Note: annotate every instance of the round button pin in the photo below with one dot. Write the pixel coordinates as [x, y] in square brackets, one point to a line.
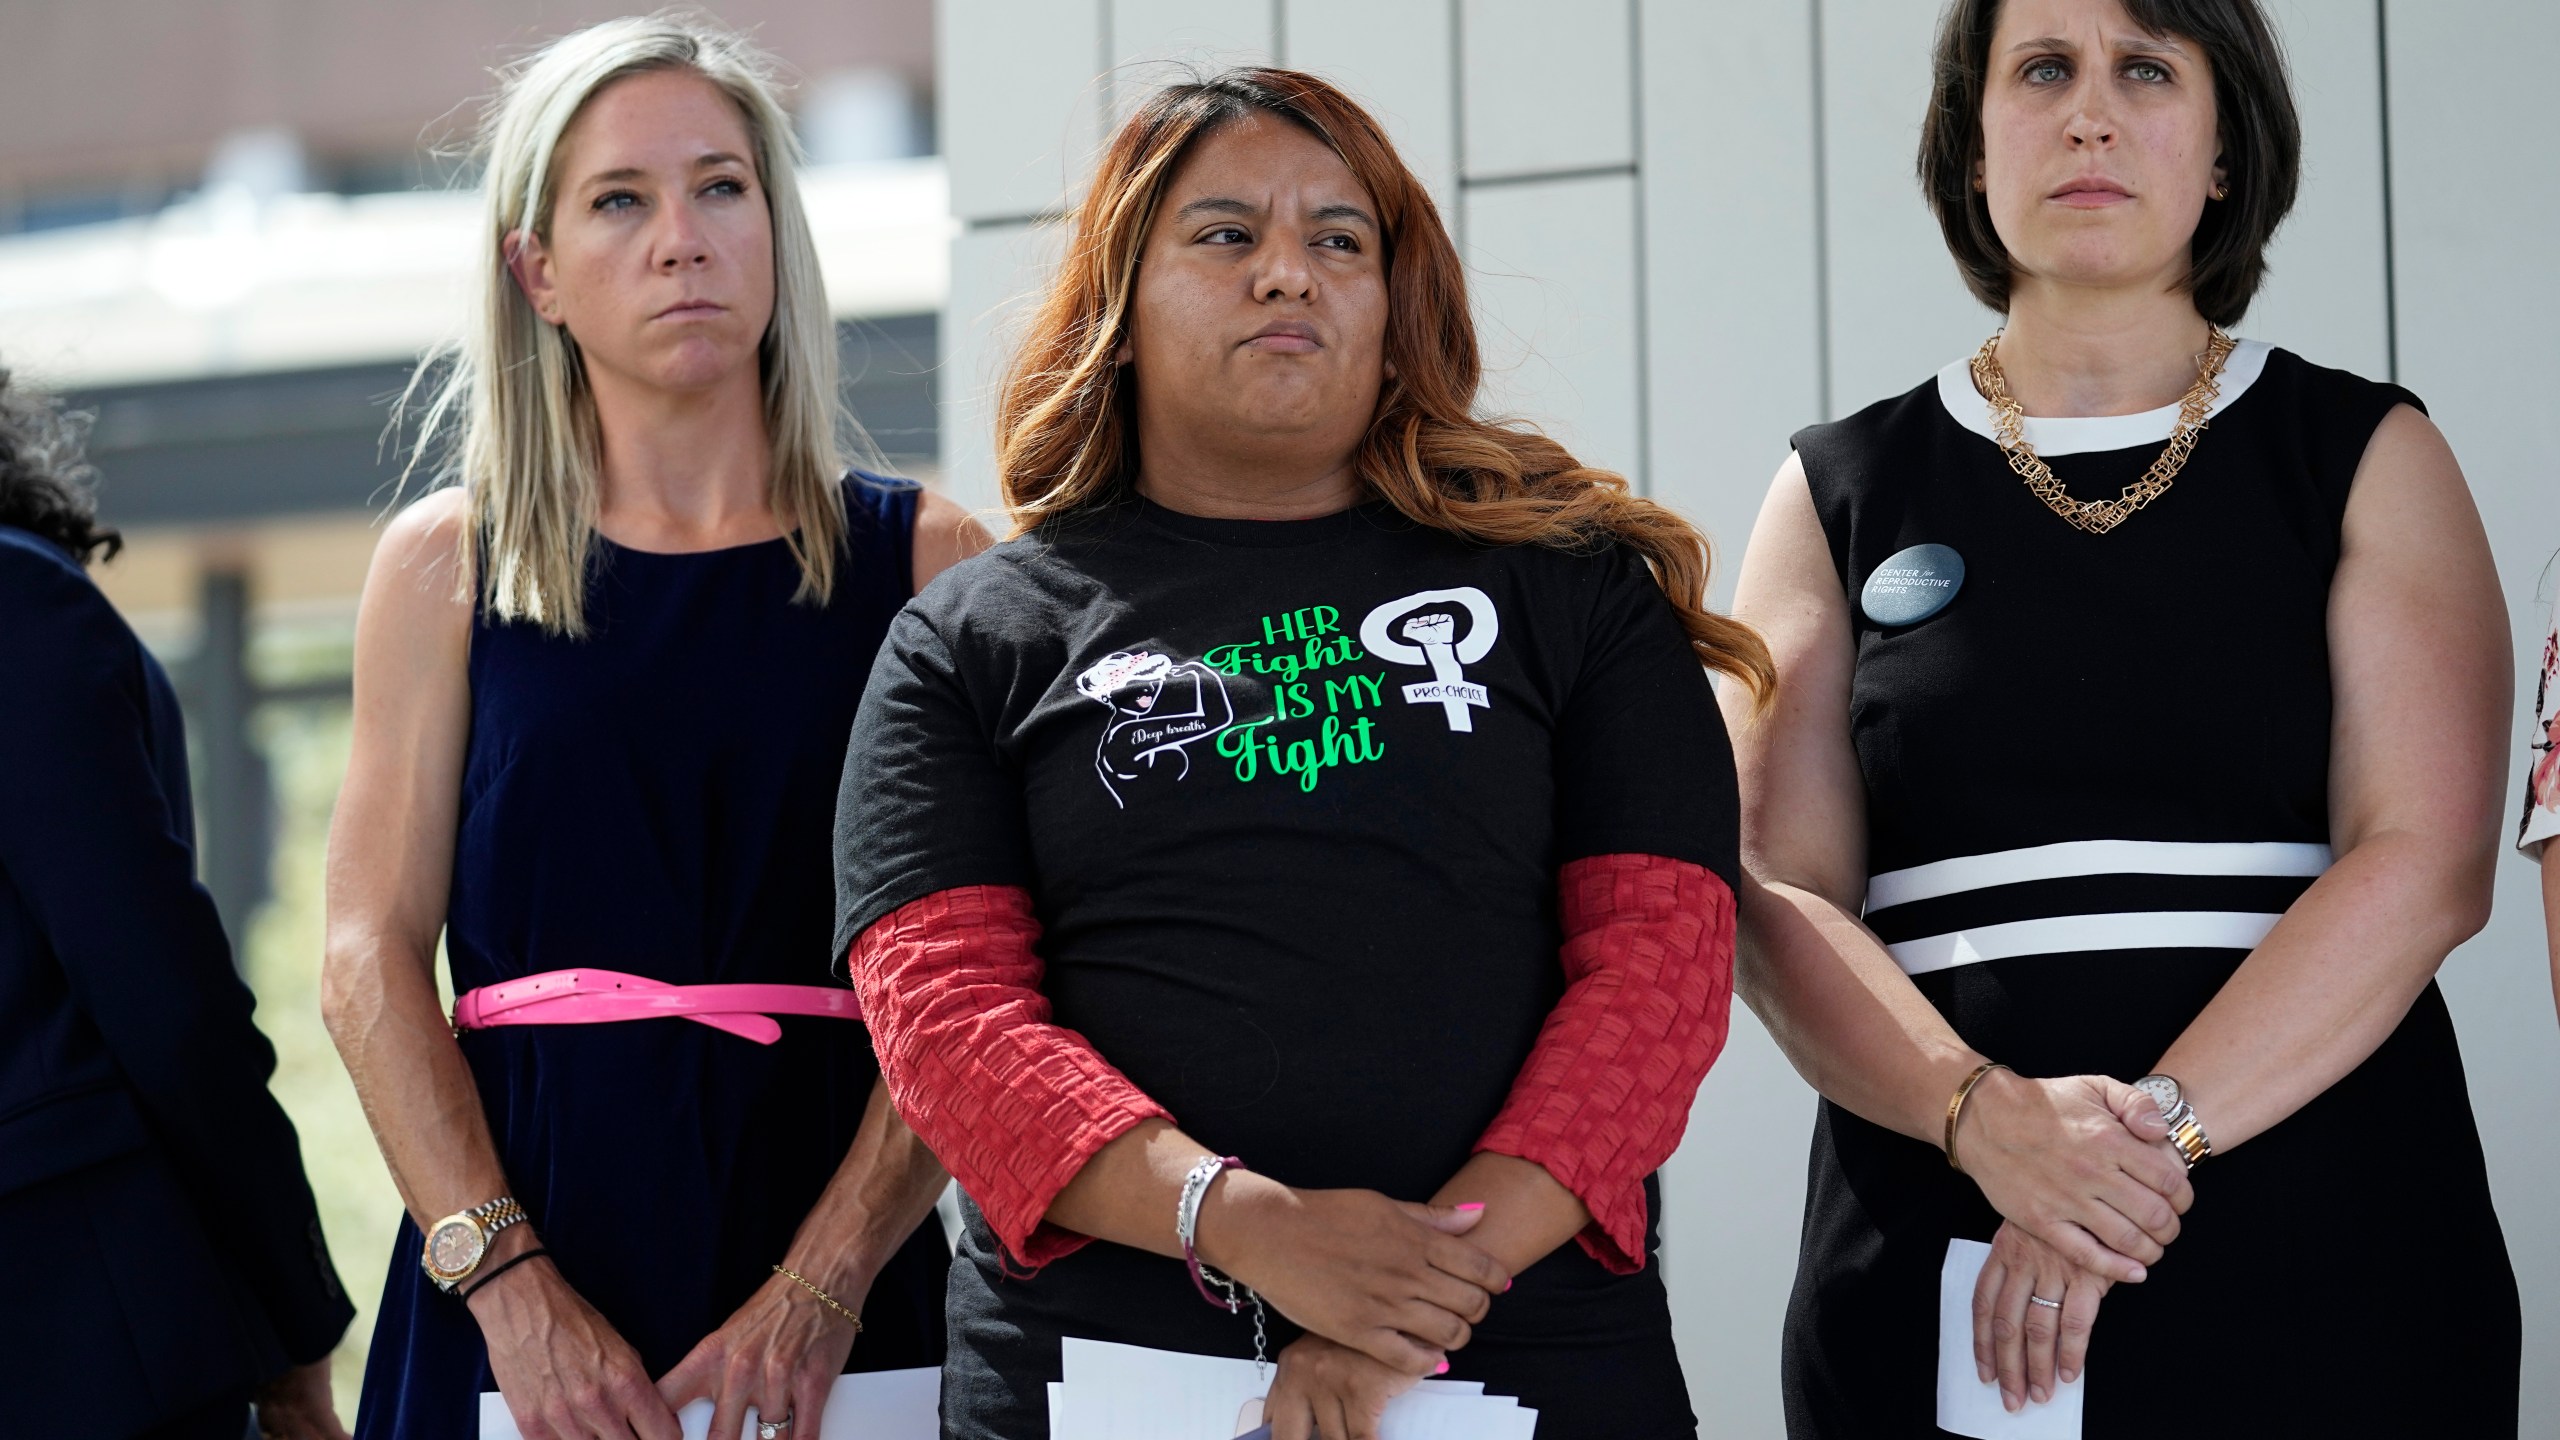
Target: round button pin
[1913, 585]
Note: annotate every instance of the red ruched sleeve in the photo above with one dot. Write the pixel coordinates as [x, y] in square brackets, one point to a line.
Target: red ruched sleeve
[1648, 963]
[1012, 1104]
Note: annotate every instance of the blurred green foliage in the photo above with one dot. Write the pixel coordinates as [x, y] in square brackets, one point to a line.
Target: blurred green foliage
[306, 748]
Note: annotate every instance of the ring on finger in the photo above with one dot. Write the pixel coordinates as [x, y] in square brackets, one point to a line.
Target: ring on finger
[2040, 1300]
[772, 1429]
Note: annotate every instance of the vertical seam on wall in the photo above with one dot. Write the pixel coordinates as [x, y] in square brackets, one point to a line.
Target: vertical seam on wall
[1458, 123]
[1104, 68]
[1641, 277]
[2390, 208]
[1821, 217]
[1280, 33]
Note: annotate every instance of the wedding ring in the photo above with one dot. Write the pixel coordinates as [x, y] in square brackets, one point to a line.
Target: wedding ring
[2048, 1304]
[771, 1429]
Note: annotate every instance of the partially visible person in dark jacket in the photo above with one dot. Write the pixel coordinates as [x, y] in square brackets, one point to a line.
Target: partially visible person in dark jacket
[165, 1269]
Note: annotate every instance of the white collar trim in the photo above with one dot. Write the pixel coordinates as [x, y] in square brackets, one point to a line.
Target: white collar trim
[2078, 435]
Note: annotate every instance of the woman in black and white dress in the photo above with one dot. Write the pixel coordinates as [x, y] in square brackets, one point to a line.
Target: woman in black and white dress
[2179, 756]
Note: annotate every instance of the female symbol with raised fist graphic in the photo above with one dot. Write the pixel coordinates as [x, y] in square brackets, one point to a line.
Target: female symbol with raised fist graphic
[1436, 644]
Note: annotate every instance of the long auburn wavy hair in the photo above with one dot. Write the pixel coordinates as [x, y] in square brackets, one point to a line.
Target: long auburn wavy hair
[1066, 428]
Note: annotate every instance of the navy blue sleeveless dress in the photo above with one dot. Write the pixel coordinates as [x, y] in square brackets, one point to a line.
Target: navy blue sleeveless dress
[659, 798]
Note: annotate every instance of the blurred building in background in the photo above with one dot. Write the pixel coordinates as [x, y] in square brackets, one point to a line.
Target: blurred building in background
[230, 230]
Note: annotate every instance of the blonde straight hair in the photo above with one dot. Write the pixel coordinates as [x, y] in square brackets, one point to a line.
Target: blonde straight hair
[512, 415]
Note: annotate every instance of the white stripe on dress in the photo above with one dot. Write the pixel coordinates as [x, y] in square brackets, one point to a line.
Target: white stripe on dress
[2093, 857]
[2063, 934]
[2081, 434]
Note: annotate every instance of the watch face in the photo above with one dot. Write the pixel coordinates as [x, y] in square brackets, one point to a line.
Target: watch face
[2162, 1090]
[455, 1247]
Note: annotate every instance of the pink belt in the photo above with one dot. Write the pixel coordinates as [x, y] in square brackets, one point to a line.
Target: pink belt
[598, 997]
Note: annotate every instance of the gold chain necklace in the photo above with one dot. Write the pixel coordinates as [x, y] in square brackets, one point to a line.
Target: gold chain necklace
[2008, 425]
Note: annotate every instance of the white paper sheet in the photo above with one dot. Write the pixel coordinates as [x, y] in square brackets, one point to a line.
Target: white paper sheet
[1967, 1406]
[877, 1405]
[1127, 1392]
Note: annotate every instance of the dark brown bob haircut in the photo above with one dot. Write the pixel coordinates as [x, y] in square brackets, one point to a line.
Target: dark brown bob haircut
[2261, 146]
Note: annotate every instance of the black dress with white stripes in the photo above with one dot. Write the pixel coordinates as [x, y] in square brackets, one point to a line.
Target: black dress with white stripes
[2094, 780]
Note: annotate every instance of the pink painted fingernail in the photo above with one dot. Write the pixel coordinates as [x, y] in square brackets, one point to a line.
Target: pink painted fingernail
[1472, 1205]
[1441, 1369]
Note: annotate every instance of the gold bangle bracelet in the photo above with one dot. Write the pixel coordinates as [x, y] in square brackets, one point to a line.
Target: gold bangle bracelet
[803, 1281]
[1955, 1107]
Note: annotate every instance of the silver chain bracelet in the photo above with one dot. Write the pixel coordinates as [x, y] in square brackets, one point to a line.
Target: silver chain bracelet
[1186, 1228]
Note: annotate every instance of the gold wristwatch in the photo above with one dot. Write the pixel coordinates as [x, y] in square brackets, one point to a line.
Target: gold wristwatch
[2185, 1130]
[458, 1243]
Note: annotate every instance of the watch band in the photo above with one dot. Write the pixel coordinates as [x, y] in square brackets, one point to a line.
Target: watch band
[496, 1215]
[2187, 1133]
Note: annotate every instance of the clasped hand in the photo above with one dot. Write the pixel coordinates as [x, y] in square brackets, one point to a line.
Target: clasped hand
[780, 1353]
[564, 1370]
[2090, 1192]
[568, 1375]
[2082, 1164]
[1326, 1391]
[1386, 1278]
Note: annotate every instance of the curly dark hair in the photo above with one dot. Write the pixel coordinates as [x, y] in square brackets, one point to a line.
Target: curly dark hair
[45, 485]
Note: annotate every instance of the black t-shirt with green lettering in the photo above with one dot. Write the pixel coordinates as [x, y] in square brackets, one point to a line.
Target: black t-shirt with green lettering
[1290, 798]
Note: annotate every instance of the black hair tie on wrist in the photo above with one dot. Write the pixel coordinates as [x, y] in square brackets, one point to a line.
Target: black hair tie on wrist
[467, 1291]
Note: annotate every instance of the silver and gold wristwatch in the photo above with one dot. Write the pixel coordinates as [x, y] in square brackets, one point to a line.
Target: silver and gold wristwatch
[457, 1243]
[2185, 1130]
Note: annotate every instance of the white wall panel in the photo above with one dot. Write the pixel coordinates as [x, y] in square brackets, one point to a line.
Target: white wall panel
[1397, 57]
[2326, 295]
[1161, 42]
[1731, 275]
[1731, 286]
[1553, 266]
[2479, 320]
[995, 271]
[1017, 101]
[1546, 88]
[1898, 309]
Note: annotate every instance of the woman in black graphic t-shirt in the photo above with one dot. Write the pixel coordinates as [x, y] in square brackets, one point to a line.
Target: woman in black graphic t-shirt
[1323, 779]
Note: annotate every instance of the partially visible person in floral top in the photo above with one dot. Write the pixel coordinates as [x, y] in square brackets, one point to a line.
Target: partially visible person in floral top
[2542, 788]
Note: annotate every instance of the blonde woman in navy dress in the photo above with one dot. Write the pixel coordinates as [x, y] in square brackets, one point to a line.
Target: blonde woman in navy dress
[2100, 859]
[602, 689]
